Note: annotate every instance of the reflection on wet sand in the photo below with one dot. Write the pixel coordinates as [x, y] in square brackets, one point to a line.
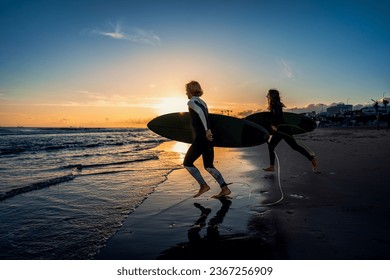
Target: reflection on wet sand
[214, 245]
[213, 226]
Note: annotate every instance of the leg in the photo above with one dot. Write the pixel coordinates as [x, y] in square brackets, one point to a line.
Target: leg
[208, 161]
[276, 138]
[193, 154]
[295, 146]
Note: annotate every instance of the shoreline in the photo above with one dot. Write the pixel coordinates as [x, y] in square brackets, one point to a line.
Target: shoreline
[339, 213]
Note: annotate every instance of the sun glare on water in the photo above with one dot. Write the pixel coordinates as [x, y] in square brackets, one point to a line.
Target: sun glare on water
[181, 149]
[172, 105]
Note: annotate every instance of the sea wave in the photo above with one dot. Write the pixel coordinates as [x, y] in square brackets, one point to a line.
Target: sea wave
[4, 131]
[36, 186]
[48, 147]
[15, 141]
[81, 166]
[100, 178]
[10, 151]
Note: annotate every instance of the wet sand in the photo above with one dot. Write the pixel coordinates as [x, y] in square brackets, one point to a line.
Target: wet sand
[341, 212]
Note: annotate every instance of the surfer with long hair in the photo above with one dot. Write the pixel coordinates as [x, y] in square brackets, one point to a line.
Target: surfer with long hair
[282, 131]
[203, 142]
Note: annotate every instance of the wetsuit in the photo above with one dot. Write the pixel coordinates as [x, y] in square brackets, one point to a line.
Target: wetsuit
[201, 146]
[283, 132]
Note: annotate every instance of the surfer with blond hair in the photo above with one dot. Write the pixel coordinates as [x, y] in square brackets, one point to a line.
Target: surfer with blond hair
[282, 131]
[203, 142]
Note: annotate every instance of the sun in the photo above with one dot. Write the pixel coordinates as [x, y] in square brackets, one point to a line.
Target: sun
[171, 105]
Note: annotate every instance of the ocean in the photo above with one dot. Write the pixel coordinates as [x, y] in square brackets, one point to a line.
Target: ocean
[65, 191]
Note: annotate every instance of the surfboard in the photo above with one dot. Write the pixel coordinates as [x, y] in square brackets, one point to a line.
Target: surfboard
[297, 123]
[227, 131]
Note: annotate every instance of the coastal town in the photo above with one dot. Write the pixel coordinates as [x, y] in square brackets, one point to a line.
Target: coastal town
[345, 115]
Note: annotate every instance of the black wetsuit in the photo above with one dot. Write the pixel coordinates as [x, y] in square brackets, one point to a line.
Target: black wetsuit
[201, 146]
[200, 123]
[283, 132]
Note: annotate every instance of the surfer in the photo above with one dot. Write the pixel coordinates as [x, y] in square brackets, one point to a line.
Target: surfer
[282, 131]
[203, 142]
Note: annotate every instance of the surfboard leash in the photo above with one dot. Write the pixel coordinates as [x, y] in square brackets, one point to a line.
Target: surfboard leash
[278, 162]
[279, 183]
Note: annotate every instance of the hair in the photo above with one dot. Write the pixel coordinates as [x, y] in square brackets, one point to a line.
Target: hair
[194, 88]
[274, 99]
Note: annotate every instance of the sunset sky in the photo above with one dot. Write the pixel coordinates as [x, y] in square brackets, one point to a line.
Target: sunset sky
[121, 63]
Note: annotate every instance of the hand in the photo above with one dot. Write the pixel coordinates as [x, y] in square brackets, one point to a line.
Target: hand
[209, 135]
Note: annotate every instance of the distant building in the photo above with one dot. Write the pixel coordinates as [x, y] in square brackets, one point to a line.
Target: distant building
[340, 108]
[371, 110]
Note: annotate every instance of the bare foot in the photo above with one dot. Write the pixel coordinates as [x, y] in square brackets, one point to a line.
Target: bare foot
[271, 168]
[204, 188]
[224, 191]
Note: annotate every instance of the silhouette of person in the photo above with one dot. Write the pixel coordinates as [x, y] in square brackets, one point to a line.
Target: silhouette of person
[282, 131]
[203, 142]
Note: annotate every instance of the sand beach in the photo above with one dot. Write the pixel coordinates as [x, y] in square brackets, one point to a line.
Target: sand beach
[341, 212]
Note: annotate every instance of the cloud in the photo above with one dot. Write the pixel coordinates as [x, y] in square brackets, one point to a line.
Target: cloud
[287, 71]
[246, 113]
[136, 35]
[318, 108]
[90, 98]
[86, 98]
[117, 34]
[144, 37]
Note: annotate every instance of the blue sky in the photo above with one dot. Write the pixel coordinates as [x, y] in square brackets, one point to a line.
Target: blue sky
[115, 62]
